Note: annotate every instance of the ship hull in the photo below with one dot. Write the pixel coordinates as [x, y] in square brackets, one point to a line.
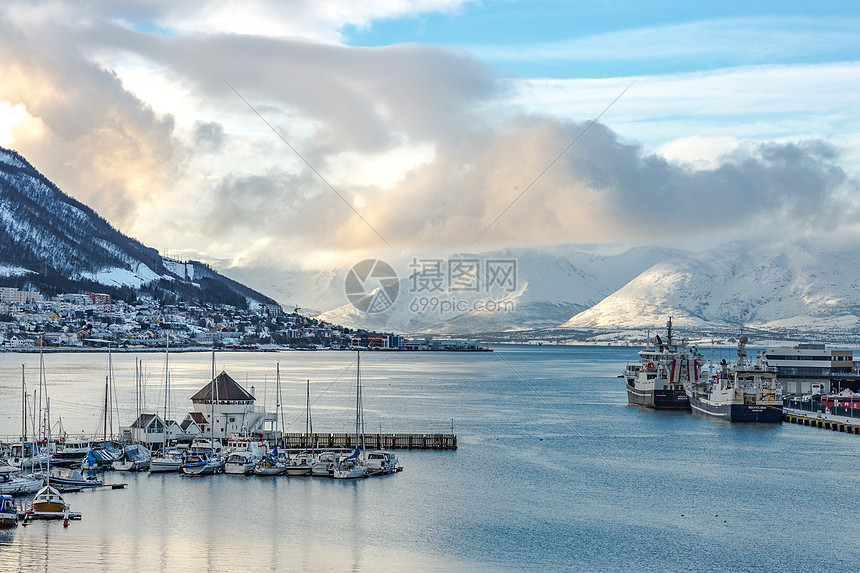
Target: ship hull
[750, 413]
[658, 399]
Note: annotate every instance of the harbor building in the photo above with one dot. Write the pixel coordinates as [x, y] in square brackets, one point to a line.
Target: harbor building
[813, 368]
[234, 409]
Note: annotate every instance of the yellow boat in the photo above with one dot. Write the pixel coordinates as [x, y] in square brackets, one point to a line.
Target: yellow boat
[48, 504]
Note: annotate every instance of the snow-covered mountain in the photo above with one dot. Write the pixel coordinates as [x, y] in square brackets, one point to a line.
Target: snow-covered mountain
[56, 243]
[547, 286]
[798, 285]
[803, 286]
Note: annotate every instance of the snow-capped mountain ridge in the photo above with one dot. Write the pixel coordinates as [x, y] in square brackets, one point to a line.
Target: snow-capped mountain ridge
[66, 245]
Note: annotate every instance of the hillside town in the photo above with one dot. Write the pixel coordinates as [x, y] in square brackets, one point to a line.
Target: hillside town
[28, 319]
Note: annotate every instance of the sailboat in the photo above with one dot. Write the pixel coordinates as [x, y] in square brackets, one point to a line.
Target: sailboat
[48, 503]
[302, 464]
[272, 464]
[354, 466]
[27, 454]
[167, 460]
[101, 457]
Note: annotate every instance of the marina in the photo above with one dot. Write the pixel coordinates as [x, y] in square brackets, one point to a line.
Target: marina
[547, 475]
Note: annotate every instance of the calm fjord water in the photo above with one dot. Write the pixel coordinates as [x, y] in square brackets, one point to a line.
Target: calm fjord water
[554, 472]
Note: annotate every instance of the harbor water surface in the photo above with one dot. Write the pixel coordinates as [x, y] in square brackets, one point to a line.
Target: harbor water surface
[554, 471]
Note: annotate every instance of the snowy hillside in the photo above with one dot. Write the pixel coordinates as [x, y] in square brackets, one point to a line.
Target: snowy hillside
[776, 286]
[51, 241]
[550, 285]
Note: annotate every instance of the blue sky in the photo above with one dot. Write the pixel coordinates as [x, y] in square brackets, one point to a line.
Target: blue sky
[697, 35]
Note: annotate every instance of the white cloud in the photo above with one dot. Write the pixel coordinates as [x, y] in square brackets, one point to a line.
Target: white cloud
[753, 102]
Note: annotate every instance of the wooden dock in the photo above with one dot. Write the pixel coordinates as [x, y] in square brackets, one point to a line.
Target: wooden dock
[836, 425]
[372, 441]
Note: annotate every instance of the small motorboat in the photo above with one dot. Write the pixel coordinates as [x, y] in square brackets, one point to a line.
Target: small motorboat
[300, 465]
[239, 463]
[325, 464]
[8, 512]
[380, 462]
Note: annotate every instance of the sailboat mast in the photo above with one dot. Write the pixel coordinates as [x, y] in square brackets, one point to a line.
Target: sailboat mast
[308, 414]
[279, 409]
[212, 401]
[358, 433]
[23, 411]
[48, 473]
[110, 392]
[38, 430]
[166, 389]
[104, 438]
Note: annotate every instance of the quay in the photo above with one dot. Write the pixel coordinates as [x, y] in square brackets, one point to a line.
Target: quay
[294, 441]
[818, 421]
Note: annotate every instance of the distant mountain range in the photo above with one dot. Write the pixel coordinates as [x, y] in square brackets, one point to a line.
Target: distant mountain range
[579, 292]
[57, 244]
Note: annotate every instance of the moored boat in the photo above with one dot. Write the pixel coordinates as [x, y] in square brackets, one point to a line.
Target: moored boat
[134, 458]
[659, 379]
[325, 464]
[73, 450]
[8, 512]
[741, 392]
[17, 484]
[240, 462]
[381, 462]
[300, 464]
[270, 465]
[169, 460]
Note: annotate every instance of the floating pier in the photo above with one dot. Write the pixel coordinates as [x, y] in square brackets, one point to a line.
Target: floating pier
[836, 425]
[372, 441]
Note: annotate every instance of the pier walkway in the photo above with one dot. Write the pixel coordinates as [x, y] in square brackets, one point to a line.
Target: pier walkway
[373, 441]
[821, 420]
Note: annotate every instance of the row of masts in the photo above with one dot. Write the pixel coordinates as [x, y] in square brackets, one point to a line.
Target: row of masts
[39, 397]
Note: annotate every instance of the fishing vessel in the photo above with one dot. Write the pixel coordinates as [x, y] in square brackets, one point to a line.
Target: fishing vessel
[740, 392]
[660, 377]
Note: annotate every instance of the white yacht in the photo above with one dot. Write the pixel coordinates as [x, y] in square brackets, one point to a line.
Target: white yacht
[241, 462]
[325, 464]
[169, 460]
[381, 462]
